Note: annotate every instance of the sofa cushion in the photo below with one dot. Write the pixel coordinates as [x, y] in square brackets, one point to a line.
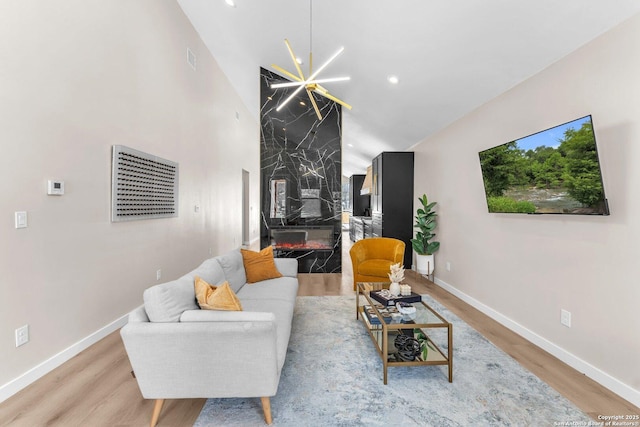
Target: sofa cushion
[210, 271]
[226, 316]
[259, 265]
[283, 288]
[167, 301]
[233, 268]
[375, 267]
[211, 297]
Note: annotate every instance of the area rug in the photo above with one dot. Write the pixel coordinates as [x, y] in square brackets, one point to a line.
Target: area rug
[333, 377]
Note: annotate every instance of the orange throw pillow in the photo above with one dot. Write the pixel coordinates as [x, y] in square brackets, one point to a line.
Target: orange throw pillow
[259, 266]
[216, 297]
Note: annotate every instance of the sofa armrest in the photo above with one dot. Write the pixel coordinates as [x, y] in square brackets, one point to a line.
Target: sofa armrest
[287, 266]
[203, 359]
[138, 315]
[358, 253]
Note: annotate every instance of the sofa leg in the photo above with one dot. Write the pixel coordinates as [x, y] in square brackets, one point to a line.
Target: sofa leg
[157, 407]
[266, 408]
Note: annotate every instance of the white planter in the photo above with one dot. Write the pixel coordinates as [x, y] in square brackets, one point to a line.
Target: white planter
[425, 264]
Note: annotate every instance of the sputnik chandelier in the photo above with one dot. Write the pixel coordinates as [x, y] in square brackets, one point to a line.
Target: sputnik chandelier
[310, 83]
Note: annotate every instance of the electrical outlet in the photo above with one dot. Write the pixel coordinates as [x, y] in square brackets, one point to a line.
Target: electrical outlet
[158, 274]
[448, 266]
[210, 251]
[565, 318]
[22, 335]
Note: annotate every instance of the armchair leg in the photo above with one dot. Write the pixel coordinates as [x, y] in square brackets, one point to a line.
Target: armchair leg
[266, 408]
[157, 407]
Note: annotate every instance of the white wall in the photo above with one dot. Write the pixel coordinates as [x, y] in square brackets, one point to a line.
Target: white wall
[77, 77]
[524, 268]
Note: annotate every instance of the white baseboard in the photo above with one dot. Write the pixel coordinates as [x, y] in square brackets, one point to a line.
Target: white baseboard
[618, 387]
[32, 375]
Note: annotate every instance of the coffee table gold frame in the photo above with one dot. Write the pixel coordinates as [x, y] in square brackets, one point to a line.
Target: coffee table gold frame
[426, 318]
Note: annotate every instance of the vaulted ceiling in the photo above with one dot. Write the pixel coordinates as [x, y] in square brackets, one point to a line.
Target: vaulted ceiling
[450, 56]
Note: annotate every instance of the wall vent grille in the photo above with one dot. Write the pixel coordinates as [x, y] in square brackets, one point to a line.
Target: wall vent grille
[143, 186]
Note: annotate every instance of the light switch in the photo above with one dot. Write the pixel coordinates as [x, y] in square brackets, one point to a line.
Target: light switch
[21, 219]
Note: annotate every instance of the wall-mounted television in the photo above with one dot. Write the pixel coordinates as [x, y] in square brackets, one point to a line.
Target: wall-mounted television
[555, 171]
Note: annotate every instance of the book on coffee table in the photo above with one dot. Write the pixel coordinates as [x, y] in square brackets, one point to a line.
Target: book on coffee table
[385, 299]
[373, 317]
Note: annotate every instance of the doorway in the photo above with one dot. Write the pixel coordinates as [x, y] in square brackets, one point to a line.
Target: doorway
[246, 208]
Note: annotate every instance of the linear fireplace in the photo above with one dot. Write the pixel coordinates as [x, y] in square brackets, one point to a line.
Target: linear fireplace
[316, 247]
[302, 238]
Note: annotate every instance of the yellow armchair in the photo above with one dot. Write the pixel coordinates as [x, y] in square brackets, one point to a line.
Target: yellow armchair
[372, 258]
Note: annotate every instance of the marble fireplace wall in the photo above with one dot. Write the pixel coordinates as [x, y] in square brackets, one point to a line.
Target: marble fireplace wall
[301, 172]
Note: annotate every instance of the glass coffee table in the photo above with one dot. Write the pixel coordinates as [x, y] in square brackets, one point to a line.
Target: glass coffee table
[384, 325]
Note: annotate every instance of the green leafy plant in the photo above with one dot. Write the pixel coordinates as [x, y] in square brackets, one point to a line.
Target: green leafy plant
[425, 223]
[424, 343]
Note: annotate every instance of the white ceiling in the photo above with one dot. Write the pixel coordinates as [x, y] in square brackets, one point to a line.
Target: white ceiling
[451, 56]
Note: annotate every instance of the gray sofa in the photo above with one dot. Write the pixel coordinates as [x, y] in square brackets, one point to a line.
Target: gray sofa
[179, 351]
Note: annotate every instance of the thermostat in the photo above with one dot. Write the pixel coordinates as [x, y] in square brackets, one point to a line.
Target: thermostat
[55, 188]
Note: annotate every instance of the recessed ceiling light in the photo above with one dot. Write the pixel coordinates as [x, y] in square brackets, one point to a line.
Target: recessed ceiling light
[302, 103]
[299, 60]
[349, 145]
[231, 3]
[393, 80]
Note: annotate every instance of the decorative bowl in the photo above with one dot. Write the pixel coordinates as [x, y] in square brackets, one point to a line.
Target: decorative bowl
[407, 310]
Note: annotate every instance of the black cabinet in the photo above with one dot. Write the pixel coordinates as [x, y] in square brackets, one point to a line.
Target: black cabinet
[359, 205]
[392, 199]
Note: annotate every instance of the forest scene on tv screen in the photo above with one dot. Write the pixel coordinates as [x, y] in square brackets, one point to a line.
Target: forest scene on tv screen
[553, 171]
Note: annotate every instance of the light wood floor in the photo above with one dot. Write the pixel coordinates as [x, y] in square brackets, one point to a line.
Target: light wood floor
[95, 388]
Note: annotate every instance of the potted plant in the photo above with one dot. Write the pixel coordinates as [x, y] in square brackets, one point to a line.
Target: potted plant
[422, 244]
